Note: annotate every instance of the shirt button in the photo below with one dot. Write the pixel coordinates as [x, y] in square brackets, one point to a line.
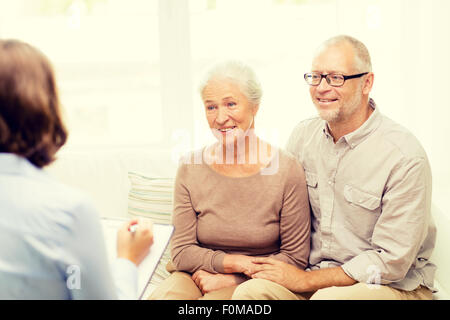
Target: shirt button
[330, 182]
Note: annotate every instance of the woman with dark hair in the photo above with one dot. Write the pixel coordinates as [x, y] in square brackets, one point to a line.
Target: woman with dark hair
[52, 244]
[30, 120]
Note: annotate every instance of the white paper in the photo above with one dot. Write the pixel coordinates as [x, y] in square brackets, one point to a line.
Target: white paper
[161, 237]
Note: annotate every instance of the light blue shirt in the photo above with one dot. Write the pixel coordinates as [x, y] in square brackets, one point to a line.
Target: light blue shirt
[51, 242]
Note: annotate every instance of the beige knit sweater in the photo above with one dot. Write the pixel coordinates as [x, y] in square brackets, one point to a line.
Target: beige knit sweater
[258, 215]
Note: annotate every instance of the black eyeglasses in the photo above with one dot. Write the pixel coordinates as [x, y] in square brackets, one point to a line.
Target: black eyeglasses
[333, 79]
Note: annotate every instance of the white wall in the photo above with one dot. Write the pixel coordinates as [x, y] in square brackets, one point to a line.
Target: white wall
[439, 97]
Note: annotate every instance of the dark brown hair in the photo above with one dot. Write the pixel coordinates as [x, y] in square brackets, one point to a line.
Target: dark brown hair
[30, 120]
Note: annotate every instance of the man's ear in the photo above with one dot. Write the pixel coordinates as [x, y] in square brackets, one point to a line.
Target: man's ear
[368, 83]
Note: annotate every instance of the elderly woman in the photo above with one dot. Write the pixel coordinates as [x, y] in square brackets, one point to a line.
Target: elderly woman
[235, 200]
[50, 234]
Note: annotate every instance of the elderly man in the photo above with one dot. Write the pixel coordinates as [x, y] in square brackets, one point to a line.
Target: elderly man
[369, 185]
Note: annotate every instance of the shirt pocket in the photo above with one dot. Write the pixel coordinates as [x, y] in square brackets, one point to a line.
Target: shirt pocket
[361, 198]
[313, 190]
[364, 210]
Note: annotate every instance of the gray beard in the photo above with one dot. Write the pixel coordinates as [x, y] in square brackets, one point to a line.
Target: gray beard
[339, 115]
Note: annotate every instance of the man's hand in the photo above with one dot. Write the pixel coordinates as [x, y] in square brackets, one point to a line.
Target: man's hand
[282, 273]
[298, 280]
[208, 282]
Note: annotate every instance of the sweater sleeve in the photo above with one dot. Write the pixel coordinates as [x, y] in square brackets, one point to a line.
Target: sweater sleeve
[295, 219]
[187, 254]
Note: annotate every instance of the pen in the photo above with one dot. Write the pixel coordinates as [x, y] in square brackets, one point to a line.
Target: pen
[133, 228]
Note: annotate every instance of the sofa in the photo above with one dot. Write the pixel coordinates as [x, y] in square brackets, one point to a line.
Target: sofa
[104, 175]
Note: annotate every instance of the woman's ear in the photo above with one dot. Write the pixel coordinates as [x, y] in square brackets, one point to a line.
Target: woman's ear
[255, 109]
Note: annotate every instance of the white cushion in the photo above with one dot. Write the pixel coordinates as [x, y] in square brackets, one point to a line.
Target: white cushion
[100, 175]
[103, 174]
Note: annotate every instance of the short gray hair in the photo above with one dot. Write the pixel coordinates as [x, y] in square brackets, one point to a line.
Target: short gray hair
[363, 62]
[238, 73]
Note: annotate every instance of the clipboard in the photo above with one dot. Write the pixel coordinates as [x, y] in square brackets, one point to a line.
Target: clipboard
[162, 234]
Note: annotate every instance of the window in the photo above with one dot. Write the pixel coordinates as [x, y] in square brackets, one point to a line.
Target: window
[106, 57]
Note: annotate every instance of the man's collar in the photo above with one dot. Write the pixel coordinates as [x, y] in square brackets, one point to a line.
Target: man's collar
[356, 137]
[359, 135]
[326, 130]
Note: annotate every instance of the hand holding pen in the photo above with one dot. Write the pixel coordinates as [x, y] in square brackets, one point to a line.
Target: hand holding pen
[134, 239]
